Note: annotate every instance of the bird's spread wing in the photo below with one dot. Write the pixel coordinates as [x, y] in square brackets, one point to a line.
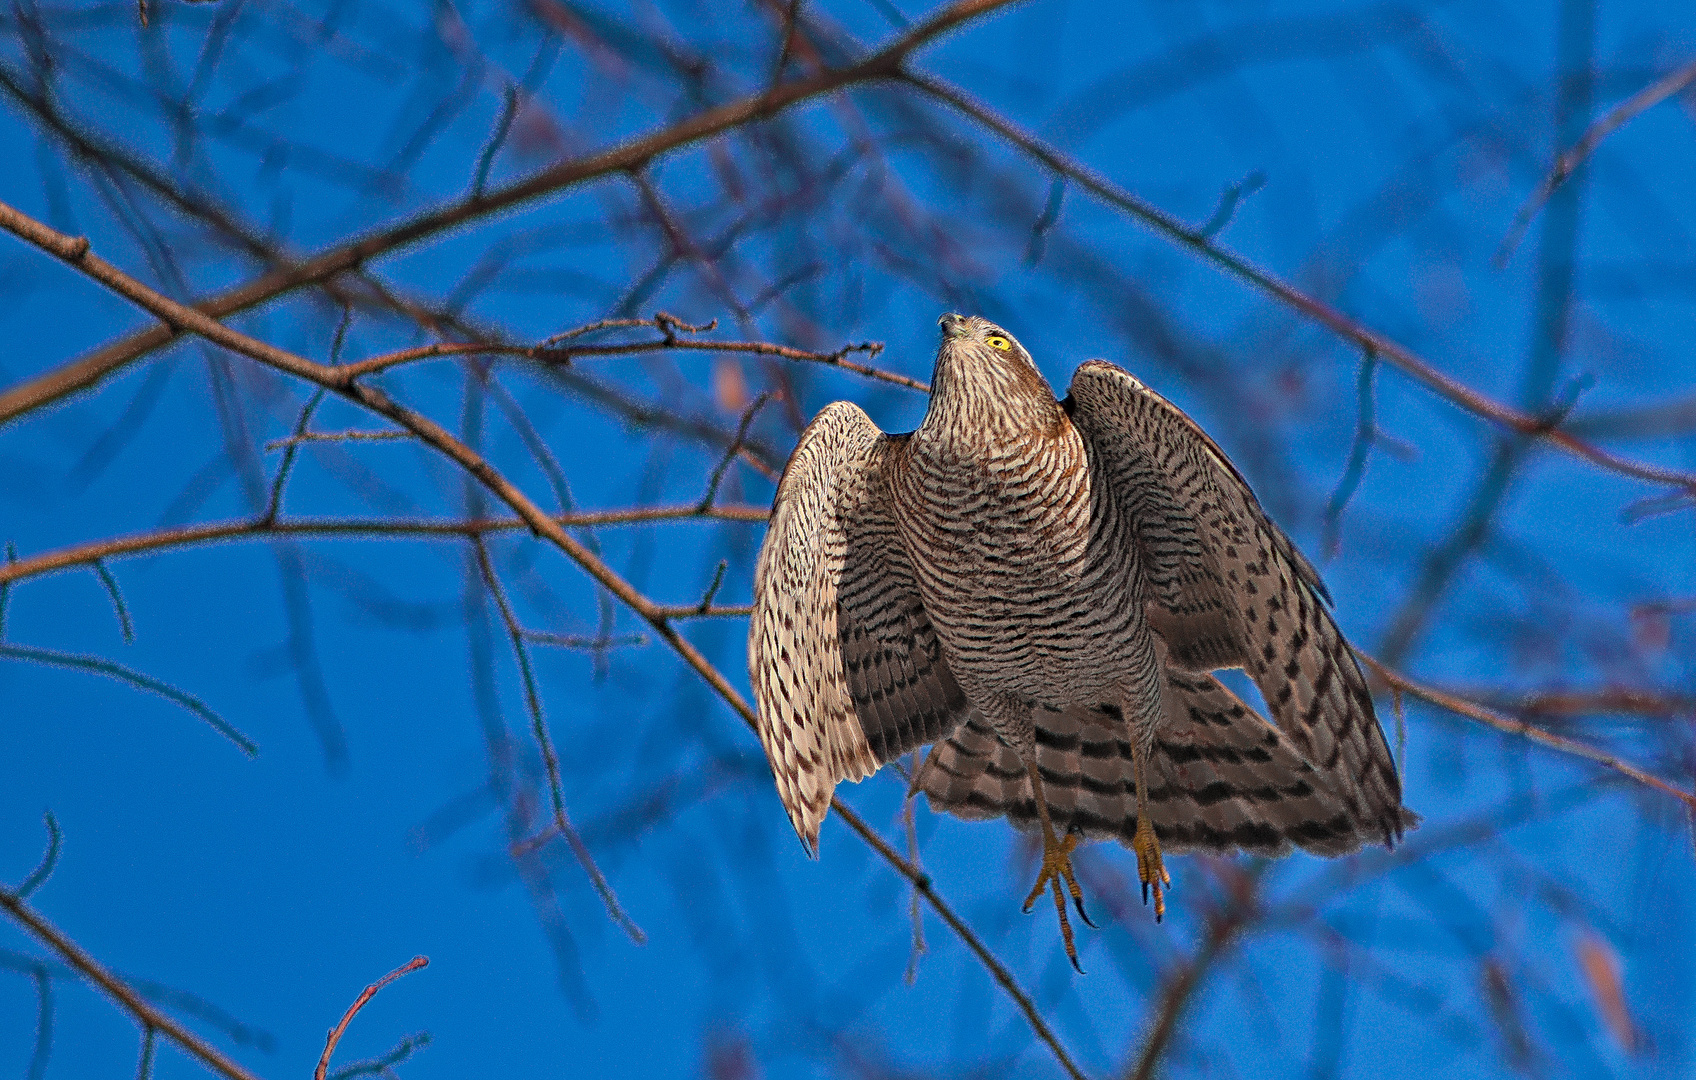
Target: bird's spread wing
[846, 668]
[1227, 588]
[1221, 778]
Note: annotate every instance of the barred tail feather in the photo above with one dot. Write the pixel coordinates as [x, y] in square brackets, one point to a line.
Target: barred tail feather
[1223, 779]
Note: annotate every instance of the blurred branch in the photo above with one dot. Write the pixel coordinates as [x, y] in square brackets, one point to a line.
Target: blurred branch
[100, 666]
[884, 64]
[1569, 161]
[550, 759]
[220, 532]
[1513, 726]
[539, 522]
[149, 1017]
[359, 1003]
[1451, 390]
[1224, 924]
[1619, 701]
[49, 859]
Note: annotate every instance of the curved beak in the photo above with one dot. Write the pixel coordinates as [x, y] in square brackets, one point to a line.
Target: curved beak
[953, 325]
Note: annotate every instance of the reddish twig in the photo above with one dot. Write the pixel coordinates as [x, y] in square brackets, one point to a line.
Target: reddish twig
[1514, 726]
[539, 522]
[359, 1003]
[884, 64]
[225, 531]
[1160, 221]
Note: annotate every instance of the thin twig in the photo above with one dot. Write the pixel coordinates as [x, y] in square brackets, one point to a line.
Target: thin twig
[186, 536]
[370, 992]
[274, 505]
[564, 354]
[99, 666]
[382, 1066]
[111, 583]
[539, 725]
[1451, 390]
[127, 998]
[706, 603]
[1229, 200]
[1365, 433]
[149, 1038]
[335, 437]
[696, 611]
[1569, 161]
[486, 159]
[880, 65]
[434, 435]
[49, 859]
[731, 451]
[565, 641]
[1514, 726]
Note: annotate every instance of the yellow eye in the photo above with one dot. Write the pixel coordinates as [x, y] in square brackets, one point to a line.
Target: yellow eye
[996, 341]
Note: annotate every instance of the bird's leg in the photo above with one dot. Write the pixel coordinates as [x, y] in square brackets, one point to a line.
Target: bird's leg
[1056, 867]
[1151, 869]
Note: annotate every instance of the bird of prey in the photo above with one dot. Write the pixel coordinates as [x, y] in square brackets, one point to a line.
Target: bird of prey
[1040, 589]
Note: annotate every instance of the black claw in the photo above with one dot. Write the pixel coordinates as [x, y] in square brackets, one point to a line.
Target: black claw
[1077, 967]
[1145, 894]
[1078, 902]
[1027, 908]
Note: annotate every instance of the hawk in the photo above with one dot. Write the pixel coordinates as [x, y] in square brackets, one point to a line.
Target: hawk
[1040, 590]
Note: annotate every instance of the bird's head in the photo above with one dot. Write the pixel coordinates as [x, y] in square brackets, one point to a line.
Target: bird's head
[982, 369]
[974, 340]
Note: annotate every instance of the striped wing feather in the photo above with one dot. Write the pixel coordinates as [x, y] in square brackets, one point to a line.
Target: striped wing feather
[846, 668]
[1227, 588]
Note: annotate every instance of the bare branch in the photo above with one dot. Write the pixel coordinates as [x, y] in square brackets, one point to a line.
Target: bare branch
[1569, 161]
[1513, 726]
[370, 992]
[221, 532]
[883, 64]
[1449, 389]
[149, 1017]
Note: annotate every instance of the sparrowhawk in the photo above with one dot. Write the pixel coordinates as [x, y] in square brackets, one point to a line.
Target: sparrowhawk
[1040, 589]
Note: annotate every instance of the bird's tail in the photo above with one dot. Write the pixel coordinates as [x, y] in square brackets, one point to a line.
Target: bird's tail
[1221, 778]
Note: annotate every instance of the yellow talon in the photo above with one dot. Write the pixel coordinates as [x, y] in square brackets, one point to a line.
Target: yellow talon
[1151, 869]
[1057, 867]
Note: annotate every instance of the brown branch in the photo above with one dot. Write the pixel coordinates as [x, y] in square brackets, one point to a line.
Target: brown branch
[921, 882]
[221, 532]
[1619, 701]
[550, 760]
[359, 1003]
[883, 64]
[1567, 163]
[1196, 240]
[540, 523]
[1514, 726]
[696, 611]
[150, 1018]
[566, 354]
